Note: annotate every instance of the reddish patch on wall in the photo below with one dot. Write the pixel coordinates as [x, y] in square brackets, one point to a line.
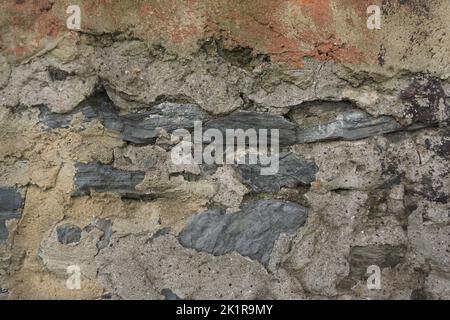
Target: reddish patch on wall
[265, 29]
[145, 10]
[18, 51]
[185, 33]
[29, 24]
[265, 26]
[338, 51]
[319, 11]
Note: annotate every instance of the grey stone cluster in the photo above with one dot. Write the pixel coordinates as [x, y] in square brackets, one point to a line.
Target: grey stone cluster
[252, 231]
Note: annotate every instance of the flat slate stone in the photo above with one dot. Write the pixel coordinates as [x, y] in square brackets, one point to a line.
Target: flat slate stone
[105, 178]
[252, 231]
[256, 120]
[141, 127]
[350, 125]
[293, 171]
[11, 205]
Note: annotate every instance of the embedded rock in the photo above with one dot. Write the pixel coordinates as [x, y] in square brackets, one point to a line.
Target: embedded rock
[383, 256]
[68, 234]
[246, 120]
[105, 178]
[252, 232]
[105, 225]
[293, 171]
[169, 295]
[11, 204]
[350, 125]
[141, 127]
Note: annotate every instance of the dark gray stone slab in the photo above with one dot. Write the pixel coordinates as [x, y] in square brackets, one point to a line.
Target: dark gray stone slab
[350, 125]
[293, 171]
[252, 231]
[138, 127]
[11, 205]
[105, 178]
[256, 120]
[68, 234]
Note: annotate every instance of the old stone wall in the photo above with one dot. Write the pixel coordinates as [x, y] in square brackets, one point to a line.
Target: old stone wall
[87, 178]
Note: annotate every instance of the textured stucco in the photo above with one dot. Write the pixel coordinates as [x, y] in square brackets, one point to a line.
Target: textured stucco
[87, 179]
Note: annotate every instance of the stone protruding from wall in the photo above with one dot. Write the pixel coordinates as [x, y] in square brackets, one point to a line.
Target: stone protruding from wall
[252, 231]
[141, 127]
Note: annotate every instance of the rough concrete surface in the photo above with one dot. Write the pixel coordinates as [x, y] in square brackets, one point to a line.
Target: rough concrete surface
[87, 178]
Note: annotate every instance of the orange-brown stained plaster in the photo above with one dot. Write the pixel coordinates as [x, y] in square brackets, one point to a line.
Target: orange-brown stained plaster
[260, 25]
[319, 11]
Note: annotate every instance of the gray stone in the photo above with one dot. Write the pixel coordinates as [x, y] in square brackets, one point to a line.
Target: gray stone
[57, 74]
[169, 295]
[350, 125]
[11, 204]
[68, 234]
[105, 225]
[252, 231]
[141, 127]
[292, 172]
[256, 120]
[4, 294]
[105, 178]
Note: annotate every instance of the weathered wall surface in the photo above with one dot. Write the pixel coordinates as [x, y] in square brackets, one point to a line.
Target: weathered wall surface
[86, 176]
